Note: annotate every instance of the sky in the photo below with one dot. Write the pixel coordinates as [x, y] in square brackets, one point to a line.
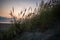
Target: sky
[6, 6]
[19, 5]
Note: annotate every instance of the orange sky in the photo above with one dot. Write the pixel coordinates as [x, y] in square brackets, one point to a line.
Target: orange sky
[6, 6]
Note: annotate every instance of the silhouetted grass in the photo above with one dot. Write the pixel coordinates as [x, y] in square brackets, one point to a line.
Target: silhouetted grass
[44, 20]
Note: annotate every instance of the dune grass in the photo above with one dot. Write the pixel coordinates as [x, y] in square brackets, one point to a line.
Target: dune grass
[43, 21]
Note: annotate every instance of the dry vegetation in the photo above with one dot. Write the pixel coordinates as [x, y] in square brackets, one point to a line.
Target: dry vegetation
[46, 16]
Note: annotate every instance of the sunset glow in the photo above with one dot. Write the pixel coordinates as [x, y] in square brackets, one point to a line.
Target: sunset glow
[19, 5]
